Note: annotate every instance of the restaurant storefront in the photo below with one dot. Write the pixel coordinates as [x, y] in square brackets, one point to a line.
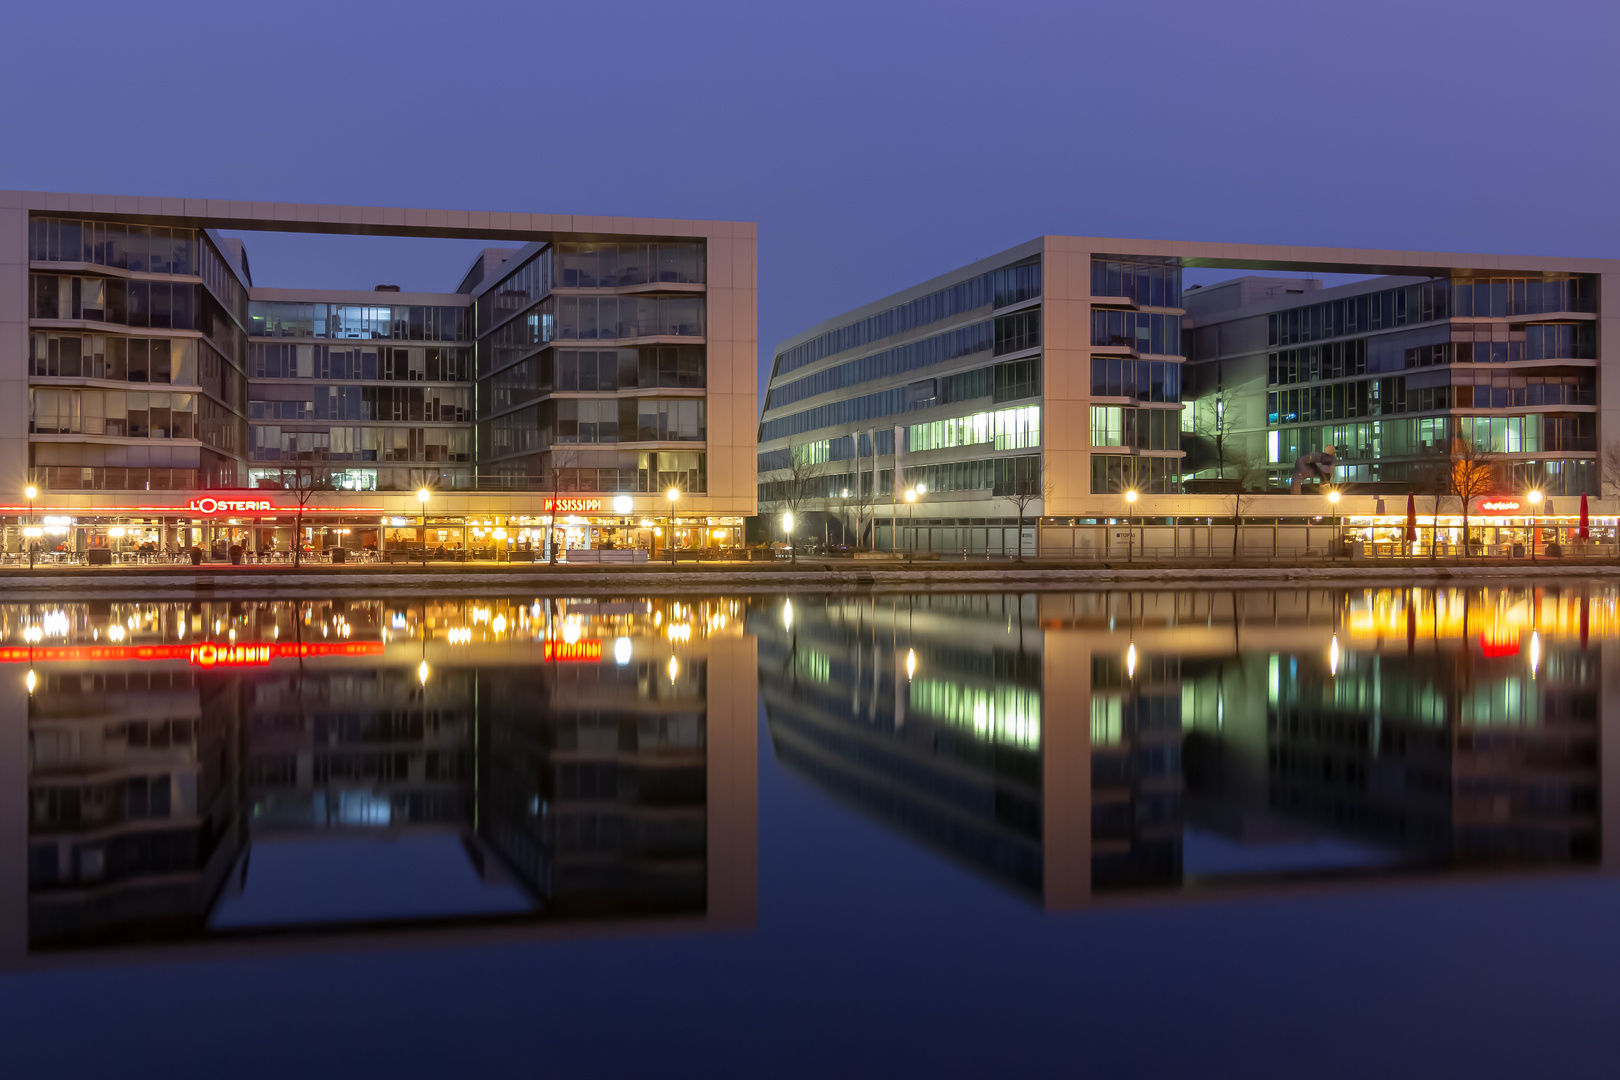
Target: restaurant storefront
[263, 529]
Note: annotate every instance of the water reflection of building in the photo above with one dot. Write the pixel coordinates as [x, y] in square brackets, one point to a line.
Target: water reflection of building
[168, 784]
[918, 713]
[1201, 738]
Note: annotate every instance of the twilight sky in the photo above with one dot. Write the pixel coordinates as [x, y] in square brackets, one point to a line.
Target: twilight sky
[876, 144]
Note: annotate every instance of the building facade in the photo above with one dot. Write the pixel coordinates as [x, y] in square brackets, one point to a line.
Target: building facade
[579, 373]
[1073, 395]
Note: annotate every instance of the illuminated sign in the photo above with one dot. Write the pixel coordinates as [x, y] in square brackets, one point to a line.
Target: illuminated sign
[1500, 506]
[228, 506]
[571, 506]
[574, 652]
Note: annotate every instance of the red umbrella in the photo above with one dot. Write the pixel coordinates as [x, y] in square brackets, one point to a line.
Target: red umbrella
[1585, 520]
[1411, 518]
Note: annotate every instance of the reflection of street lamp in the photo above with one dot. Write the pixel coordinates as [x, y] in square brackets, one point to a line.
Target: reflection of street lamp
[673, 495]
[1535, 508]
[1130, 538]
[422, 496]
[1333, 549]
[32, 493]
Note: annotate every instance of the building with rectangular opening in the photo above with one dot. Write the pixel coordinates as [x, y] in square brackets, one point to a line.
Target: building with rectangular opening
[1076, 382]
[582, 369]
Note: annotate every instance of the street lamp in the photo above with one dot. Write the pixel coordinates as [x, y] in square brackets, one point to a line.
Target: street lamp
[673, 494]
[1130, 538]
[1535, 507]
[32, 493]
[1333, 549]
[422, 496]
[911, 518]
[787, 527]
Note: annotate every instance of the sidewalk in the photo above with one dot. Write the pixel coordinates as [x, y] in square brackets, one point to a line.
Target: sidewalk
[821, 575]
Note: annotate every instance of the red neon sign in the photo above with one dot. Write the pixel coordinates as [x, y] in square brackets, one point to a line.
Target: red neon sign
[578, 652]
[1500, 506]
[228, 506]
[571, 506]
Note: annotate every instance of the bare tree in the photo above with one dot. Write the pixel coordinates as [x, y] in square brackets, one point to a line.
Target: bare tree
[1610, 466]
[1249, 473]
[1205, 445]
[1433, 480]
[799, 483]
[1027, 488]
[1472, 473]
[560, 471]
[308, 483]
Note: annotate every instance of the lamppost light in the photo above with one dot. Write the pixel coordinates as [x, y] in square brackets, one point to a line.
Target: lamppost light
[1130, 496]
[672, 494]
[922, 489]
[911, 495]
[1333, 496]
[423, 495]
[31, 491]
[787, 521]
[1535, 496]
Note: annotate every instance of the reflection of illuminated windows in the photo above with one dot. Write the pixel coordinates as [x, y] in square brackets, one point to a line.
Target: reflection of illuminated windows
[1502, 702]
[812, 665]
[1010, 715]
[1107, 714]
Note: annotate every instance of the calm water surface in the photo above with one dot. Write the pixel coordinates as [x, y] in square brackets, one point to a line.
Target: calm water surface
[1317, 832]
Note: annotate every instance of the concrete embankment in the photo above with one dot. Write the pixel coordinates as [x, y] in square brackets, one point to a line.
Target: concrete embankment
[130, 582]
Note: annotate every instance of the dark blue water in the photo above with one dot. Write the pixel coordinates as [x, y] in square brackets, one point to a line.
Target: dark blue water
[1139, 834]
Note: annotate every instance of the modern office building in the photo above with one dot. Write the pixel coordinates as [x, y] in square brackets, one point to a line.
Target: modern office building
[574, 375]
[1078, 383]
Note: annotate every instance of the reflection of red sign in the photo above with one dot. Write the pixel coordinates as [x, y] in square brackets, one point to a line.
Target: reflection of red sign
[572, 506]
[207, 654]
[582, 652]
[1500, 506]
[228, 506]
[1499, 642]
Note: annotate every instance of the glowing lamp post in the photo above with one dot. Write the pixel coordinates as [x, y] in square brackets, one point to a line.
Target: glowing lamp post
[422, 496]
[787, 527]
[1333, 499]
[32, 493]
[673, 495]
[1130, 538]
[1535, 509]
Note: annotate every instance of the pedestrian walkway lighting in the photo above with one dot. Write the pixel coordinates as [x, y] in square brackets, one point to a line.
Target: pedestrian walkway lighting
[32, 493]
[1130, 538]
[422, 496]
[1535, 510]
[673, 495]
[1333, 497]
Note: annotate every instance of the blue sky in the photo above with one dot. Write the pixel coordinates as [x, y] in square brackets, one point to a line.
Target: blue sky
[876, 144]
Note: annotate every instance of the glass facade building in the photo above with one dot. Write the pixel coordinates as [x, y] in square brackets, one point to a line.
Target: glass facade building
[1159, 397]
[580, 362]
